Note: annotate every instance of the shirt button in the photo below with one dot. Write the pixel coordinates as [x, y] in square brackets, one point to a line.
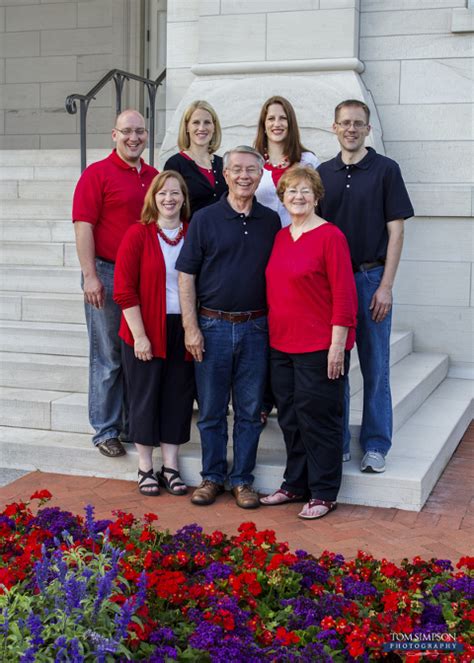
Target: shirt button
[214, 194]
[348, 186]
[242, 216]
[245, 223]
[349, 176]
[347, 167]
[245, 232]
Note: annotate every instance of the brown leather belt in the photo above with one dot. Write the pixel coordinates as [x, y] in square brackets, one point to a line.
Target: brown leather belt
[241, 316]
[365, 266]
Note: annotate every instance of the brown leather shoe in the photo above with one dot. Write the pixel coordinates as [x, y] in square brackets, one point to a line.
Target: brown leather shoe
[245, 497]
[206, 493]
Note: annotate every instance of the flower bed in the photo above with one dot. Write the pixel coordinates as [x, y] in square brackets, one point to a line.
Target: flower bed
[76, 589]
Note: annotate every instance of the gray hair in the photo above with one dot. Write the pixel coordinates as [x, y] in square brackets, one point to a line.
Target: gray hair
[243, 149]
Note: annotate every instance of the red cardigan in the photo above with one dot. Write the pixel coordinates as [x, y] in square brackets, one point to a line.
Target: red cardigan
[140, 280]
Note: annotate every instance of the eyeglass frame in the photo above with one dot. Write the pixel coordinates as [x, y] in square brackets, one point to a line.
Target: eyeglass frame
[347, 124]
[141, 131]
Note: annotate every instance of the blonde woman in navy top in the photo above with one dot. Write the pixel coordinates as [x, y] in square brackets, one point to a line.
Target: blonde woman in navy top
[199, 137]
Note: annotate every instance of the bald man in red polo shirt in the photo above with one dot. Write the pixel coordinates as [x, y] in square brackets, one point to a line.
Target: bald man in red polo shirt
[107, 200]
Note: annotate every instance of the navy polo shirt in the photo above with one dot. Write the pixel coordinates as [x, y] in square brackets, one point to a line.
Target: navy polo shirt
[228, 253]
[361, 198]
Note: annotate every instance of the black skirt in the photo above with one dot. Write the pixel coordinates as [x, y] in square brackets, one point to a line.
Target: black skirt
[160, 392]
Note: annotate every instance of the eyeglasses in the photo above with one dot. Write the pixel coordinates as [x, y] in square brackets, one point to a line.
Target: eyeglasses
[238, 170]
[141, 131]
[302, 192]
[357, 124]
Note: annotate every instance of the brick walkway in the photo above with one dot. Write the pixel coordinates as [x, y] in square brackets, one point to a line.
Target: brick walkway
[443, 529]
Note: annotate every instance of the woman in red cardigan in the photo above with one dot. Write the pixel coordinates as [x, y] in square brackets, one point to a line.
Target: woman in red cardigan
[159, 373]
[312, 307]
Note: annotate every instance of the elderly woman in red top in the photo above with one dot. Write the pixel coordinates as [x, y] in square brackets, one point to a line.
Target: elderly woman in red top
[312, 305]
[158, 371]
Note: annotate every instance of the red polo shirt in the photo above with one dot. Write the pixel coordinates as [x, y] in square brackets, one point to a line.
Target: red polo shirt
[110, 195]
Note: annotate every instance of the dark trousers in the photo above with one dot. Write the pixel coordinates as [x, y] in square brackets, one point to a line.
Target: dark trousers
[310, 414]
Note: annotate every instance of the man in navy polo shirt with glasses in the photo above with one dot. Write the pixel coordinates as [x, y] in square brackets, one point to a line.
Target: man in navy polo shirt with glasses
[365, 196]
[222, 266]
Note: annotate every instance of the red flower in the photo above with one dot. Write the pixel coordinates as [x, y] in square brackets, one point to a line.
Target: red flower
[150, 517]
[41, 495]
[468, 562]
[285, 637]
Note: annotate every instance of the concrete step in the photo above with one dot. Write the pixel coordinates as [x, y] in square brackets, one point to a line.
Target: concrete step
[35, 189]
[421, 450]
[412, 380]
[56, 254]
[37, 230]
[43, 338]
[48, 158]
[28, 278]
[39, 371]
[39, 307]
[29, 253]
[34, 209]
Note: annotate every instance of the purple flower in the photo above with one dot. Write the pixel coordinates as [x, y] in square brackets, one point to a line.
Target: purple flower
[5, 520]
[216, 571]
[309, 612]
[355, 589]
[74, 591]
[56, 521]
[311, 571]
[445, 564]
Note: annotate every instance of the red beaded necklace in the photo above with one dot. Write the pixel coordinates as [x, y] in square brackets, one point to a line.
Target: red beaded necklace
[165, 238]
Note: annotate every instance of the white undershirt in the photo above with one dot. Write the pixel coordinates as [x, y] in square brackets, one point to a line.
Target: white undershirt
[170, 254]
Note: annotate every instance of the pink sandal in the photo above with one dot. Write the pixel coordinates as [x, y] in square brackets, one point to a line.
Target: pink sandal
[316, 509]
[280, 496]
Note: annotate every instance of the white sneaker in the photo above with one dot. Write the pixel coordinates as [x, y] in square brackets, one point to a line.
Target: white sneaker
[373, 461]
[346, 457]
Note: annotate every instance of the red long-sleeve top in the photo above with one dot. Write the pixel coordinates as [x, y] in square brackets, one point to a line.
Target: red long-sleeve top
[140, 280]
[310, 288]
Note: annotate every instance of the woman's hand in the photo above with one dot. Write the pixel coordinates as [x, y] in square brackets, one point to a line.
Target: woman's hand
[336, 361]
[142, 348]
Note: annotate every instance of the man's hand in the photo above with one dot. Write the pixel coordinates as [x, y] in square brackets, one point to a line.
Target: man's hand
[142, 347]
[194, 342]
[94, 291]
[381, 303]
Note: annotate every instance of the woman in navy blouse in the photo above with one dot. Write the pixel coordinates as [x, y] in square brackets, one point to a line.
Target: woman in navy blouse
[198, 139]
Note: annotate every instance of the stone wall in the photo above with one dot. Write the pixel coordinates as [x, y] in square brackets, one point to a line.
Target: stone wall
[418, 67]
[49, 49]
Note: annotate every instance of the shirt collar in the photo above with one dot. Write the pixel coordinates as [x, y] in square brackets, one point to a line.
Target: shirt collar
[230, 213]
[118, 161]
[363, 164]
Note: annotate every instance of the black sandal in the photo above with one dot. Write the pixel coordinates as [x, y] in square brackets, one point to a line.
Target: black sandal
[175, 485]
[147, 483]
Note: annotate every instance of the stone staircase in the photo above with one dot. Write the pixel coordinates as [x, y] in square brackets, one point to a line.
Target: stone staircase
[43, 361]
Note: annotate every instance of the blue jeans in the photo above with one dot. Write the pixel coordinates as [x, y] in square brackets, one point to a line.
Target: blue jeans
[106, 391]
[373, 346]
[235, 361]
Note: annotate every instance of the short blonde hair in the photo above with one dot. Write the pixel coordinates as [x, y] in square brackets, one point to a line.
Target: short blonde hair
[183, 135]
[150, 210]
[296, 174]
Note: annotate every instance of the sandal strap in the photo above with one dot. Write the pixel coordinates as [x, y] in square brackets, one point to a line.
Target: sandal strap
[144, 476]
[175, 479]
[316, 502]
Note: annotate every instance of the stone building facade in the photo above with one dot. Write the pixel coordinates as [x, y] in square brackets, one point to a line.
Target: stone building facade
[411, 60]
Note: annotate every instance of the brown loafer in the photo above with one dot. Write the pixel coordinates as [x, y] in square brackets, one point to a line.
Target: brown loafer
[112, 448]
[245, 497]
[206, 493]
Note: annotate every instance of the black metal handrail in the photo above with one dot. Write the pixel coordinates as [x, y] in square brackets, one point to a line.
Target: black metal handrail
[119, 77]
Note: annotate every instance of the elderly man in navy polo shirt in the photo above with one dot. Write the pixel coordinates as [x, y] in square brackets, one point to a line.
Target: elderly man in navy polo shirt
[365, 196]
[222, 266]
